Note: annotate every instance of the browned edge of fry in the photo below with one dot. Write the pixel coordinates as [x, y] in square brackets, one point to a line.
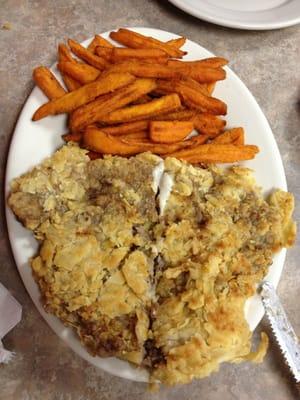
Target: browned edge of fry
[98, 41]
[93, 155]
[178, 43]
[72, 137]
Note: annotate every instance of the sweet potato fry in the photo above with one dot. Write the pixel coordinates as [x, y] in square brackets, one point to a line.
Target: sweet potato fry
[47, 82]
[142, 100]
[82, 73]
[95, 110]
[145, 70]
[104, 52]
[177, 43]
[206, 74]
[209, 124]
[155, 70]
[199, 139]
[212, 62]
[164, 148]
[94, 155]
[201, 87]
[200, 72]
[120, 54]
[133, 55]
[92, 46]
[136, 126]
[230, 136]
[126, 128]
[100, 142]
[169, 131]
[83, 95]
[197, 100]
[240, 140]
[216, 153]
[193, 98]
[96, 140]
[65, 55]
[210, 88]
[181, 115]
[98, 41]
[158, 61]
[166, 86]
[86, 55]
[72, 137]
[70, 83]
[138, 41]
[143, 111]
[125, 101]
[136, 136]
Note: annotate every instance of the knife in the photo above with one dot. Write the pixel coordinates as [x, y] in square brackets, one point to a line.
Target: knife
[282, 329]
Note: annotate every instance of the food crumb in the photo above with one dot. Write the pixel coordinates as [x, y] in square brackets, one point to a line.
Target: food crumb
[7, 26]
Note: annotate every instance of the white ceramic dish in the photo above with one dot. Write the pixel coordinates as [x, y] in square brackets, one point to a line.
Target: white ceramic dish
[33, 141]
[252, 15]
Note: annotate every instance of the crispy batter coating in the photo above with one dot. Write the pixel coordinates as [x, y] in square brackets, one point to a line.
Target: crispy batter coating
[164, 291]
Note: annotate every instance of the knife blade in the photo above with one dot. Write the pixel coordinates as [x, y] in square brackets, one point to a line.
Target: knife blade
[282, 329]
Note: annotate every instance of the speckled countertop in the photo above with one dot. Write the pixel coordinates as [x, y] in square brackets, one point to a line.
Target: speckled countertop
[268, 62]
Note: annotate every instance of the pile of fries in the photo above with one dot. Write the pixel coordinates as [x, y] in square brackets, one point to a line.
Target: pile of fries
[128, 100]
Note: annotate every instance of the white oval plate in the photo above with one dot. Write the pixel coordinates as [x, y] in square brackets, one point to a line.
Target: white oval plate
[243, 14]
[33, 141]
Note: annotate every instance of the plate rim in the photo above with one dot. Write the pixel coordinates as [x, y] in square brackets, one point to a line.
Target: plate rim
[231, 23]
[8, 213]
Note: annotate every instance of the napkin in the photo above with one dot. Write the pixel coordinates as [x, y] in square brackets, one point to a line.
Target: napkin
[10, 315]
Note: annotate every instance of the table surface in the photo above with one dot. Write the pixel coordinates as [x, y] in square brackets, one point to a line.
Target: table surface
[268, 62]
